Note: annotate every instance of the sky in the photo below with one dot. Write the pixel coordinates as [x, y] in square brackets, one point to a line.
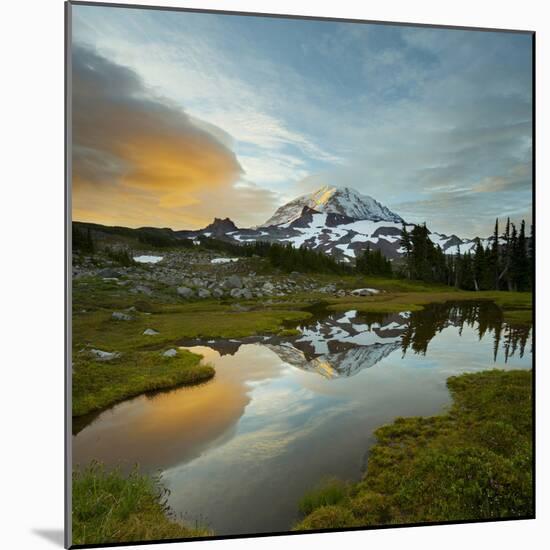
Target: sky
[182, 117]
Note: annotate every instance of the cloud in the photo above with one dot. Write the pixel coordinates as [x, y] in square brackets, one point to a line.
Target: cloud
[138, 159]
[418, 118]
[517, 179]
[197, 62]
[245, 203]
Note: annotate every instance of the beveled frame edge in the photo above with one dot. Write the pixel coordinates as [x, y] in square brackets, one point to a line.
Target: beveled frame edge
[68, 276]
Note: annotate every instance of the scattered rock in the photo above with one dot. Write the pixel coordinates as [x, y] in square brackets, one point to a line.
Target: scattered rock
[365, 291]
[239, 307]
[185, 292]
[108, 273]
[204, 293]
[246, 294]
[235, 293]
[233, 282]
[328, 289]
[150, 332]
[142, 289]
[217, 293]
[101, 355]
[170, 352]
[119, 316]
[341, 293]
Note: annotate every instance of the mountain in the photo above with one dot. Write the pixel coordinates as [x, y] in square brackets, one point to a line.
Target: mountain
[334, 200]
[338, 221]
[219, 227]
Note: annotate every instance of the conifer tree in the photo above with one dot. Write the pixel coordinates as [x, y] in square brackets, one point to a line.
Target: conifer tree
[407, 246]
[531, 256]
[521, 261]
[494, 262]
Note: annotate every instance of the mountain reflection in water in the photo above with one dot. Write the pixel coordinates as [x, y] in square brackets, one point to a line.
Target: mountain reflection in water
[281, 413]
[343, 344]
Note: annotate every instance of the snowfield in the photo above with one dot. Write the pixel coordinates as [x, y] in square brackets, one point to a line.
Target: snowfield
[337, 221]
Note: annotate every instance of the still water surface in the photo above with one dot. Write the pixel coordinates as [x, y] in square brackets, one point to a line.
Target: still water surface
[239, 451]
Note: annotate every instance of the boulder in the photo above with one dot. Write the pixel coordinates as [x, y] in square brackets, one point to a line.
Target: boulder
[365, 291]
[235, 293]
[239, 307]
[185, 292]
[217, 293]
[204, 293]
[142, 289]
[108, 273]
[101, 355]
[268, 287]
[170, 352]
[246, 294]
[119, 316]
[150, 332]
[233, 282]
[328, 289]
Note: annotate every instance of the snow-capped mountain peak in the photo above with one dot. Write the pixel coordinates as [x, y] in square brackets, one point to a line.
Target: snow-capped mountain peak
[334, 200]
[338, 221]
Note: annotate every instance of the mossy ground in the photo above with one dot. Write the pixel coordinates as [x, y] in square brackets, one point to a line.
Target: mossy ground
[142, 367]
[108, 507]
[516, 306]
[475, 462]
[97, 385]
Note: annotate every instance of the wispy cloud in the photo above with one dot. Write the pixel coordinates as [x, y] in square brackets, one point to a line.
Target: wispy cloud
[139, 159]
[424, 120]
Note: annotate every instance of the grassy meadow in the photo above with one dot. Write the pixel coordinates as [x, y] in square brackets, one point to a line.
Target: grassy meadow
[474, 462]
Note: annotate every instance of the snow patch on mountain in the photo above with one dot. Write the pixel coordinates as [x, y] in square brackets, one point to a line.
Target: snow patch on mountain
[337, 221]
[337, 200]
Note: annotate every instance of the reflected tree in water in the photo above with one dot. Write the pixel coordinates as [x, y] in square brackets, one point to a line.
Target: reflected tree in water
[484, 317]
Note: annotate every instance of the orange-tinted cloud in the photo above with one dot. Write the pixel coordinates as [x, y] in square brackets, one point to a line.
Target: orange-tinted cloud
[137, 159]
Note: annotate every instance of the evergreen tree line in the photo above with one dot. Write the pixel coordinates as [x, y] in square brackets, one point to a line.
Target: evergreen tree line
[373, 263]
[287, 258]
[280, 256]
[86, 235]
[422, 259]
[507, 264]
[82, 240]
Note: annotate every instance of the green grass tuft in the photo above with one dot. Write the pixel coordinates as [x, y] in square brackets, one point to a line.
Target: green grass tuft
[327, 517]
[329, 492]
[289, 332]
[108, 507]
